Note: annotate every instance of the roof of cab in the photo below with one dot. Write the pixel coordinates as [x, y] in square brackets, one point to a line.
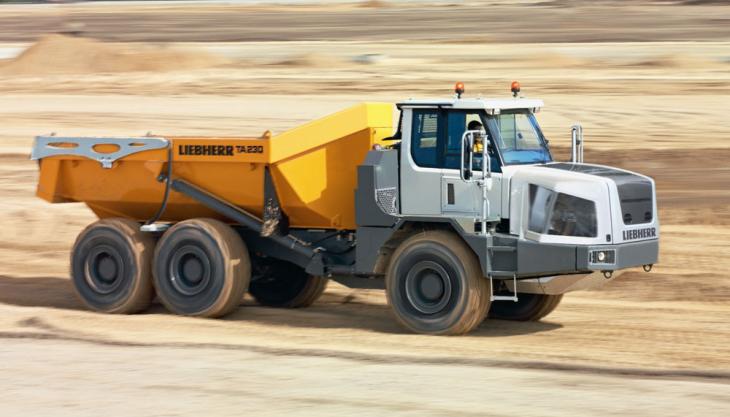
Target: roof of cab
[475, 103]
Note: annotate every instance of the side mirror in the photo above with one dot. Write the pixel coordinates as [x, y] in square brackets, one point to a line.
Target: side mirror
[467, 151]
[467, 156]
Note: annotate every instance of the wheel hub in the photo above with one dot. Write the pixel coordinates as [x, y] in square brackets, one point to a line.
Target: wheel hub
[431, 286]
[191, 270]
[107, 268]
[428, 287]
[104, 269]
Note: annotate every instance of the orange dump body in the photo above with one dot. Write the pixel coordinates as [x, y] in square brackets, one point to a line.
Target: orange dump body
[314, 169]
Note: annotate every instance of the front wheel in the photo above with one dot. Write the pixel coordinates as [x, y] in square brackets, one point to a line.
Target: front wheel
[530, 307]
[434, 285]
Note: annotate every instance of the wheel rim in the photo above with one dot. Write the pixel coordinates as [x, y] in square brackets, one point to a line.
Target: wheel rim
[104, 269]
[190, 270]
[428, 287]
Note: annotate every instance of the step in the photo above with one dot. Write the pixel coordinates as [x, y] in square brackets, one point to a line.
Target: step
[502, 273]
[503, 249]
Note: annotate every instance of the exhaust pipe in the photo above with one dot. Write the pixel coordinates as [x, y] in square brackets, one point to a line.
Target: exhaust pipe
[576, 135]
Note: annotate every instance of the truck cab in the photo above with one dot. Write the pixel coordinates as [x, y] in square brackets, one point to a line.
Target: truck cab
[482, 170]
[431, 155]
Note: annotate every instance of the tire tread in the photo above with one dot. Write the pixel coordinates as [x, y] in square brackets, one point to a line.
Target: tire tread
[544, 305]
[478, 300]
[237, 264]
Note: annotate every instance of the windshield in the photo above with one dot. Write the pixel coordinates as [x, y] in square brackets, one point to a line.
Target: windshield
[519, 138]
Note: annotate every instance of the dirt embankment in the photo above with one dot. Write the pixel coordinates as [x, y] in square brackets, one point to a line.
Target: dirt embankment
[59, 54]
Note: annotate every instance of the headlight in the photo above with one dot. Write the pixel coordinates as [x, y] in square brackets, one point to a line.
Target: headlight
[561, 214]
[602, 256]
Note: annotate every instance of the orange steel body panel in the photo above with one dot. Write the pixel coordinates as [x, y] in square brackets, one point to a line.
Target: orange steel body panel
[314, 169]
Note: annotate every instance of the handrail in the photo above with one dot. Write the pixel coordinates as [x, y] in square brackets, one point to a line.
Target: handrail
[45, 146]
[485, 182]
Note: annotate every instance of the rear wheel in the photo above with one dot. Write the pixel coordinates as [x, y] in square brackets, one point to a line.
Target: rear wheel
[111, 266]
[530, 307]
[201, 268]
[283, 284]
[434, 285]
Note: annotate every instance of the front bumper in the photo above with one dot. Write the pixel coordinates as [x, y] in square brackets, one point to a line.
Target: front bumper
[540, 259]
[626, 255]
[575, 267]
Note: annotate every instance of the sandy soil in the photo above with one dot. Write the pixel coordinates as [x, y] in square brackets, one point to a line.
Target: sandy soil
[650, 100]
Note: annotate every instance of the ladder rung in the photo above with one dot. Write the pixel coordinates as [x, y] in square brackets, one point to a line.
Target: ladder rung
[502, 273]
[504, 298]
[512, 297]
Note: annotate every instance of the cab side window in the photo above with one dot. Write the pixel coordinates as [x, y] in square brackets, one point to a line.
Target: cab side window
[436, 138]
[458, 122]
[424, 138]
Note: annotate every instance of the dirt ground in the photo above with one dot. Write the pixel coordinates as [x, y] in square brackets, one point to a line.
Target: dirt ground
[650, 83]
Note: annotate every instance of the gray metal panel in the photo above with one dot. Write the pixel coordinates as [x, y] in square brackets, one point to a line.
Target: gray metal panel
[373, 206]
[637, 253]
[544, 259]
[370, 241]
[459, 197]
[421, 192]
[477, 243]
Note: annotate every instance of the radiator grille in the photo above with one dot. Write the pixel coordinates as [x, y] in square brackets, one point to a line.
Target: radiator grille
[634, 191]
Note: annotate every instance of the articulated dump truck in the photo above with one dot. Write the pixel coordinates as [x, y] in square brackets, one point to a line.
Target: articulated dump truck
[459, 213]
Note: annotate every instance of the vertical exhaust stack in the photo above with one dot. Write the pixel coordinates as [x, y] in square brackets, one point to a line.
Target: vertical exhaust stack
[576, 134]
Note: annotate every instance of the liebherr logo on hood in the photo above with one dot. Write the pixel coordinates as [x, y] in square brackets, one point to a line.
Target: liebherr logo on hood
[645, 233]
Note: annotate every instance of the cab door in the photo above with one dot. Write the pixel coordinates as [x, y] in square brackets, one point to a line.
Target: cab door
[464, 198]
[421, 161]
[430, 182]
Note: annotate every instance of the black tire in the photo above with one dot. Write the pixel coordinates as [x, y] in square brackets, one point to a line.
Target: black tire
[530, 307]
[283, 284]
[201, 268]
[434, 285]
[111, 264]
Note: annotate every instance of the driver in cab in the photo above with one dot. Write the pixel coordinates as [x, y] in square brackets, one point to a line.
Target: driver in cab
[478, 139]
[478, 147]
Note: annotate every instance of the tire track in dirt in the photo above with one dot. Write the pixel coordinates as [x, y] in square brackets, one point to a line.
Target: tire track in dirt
[52, 333]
